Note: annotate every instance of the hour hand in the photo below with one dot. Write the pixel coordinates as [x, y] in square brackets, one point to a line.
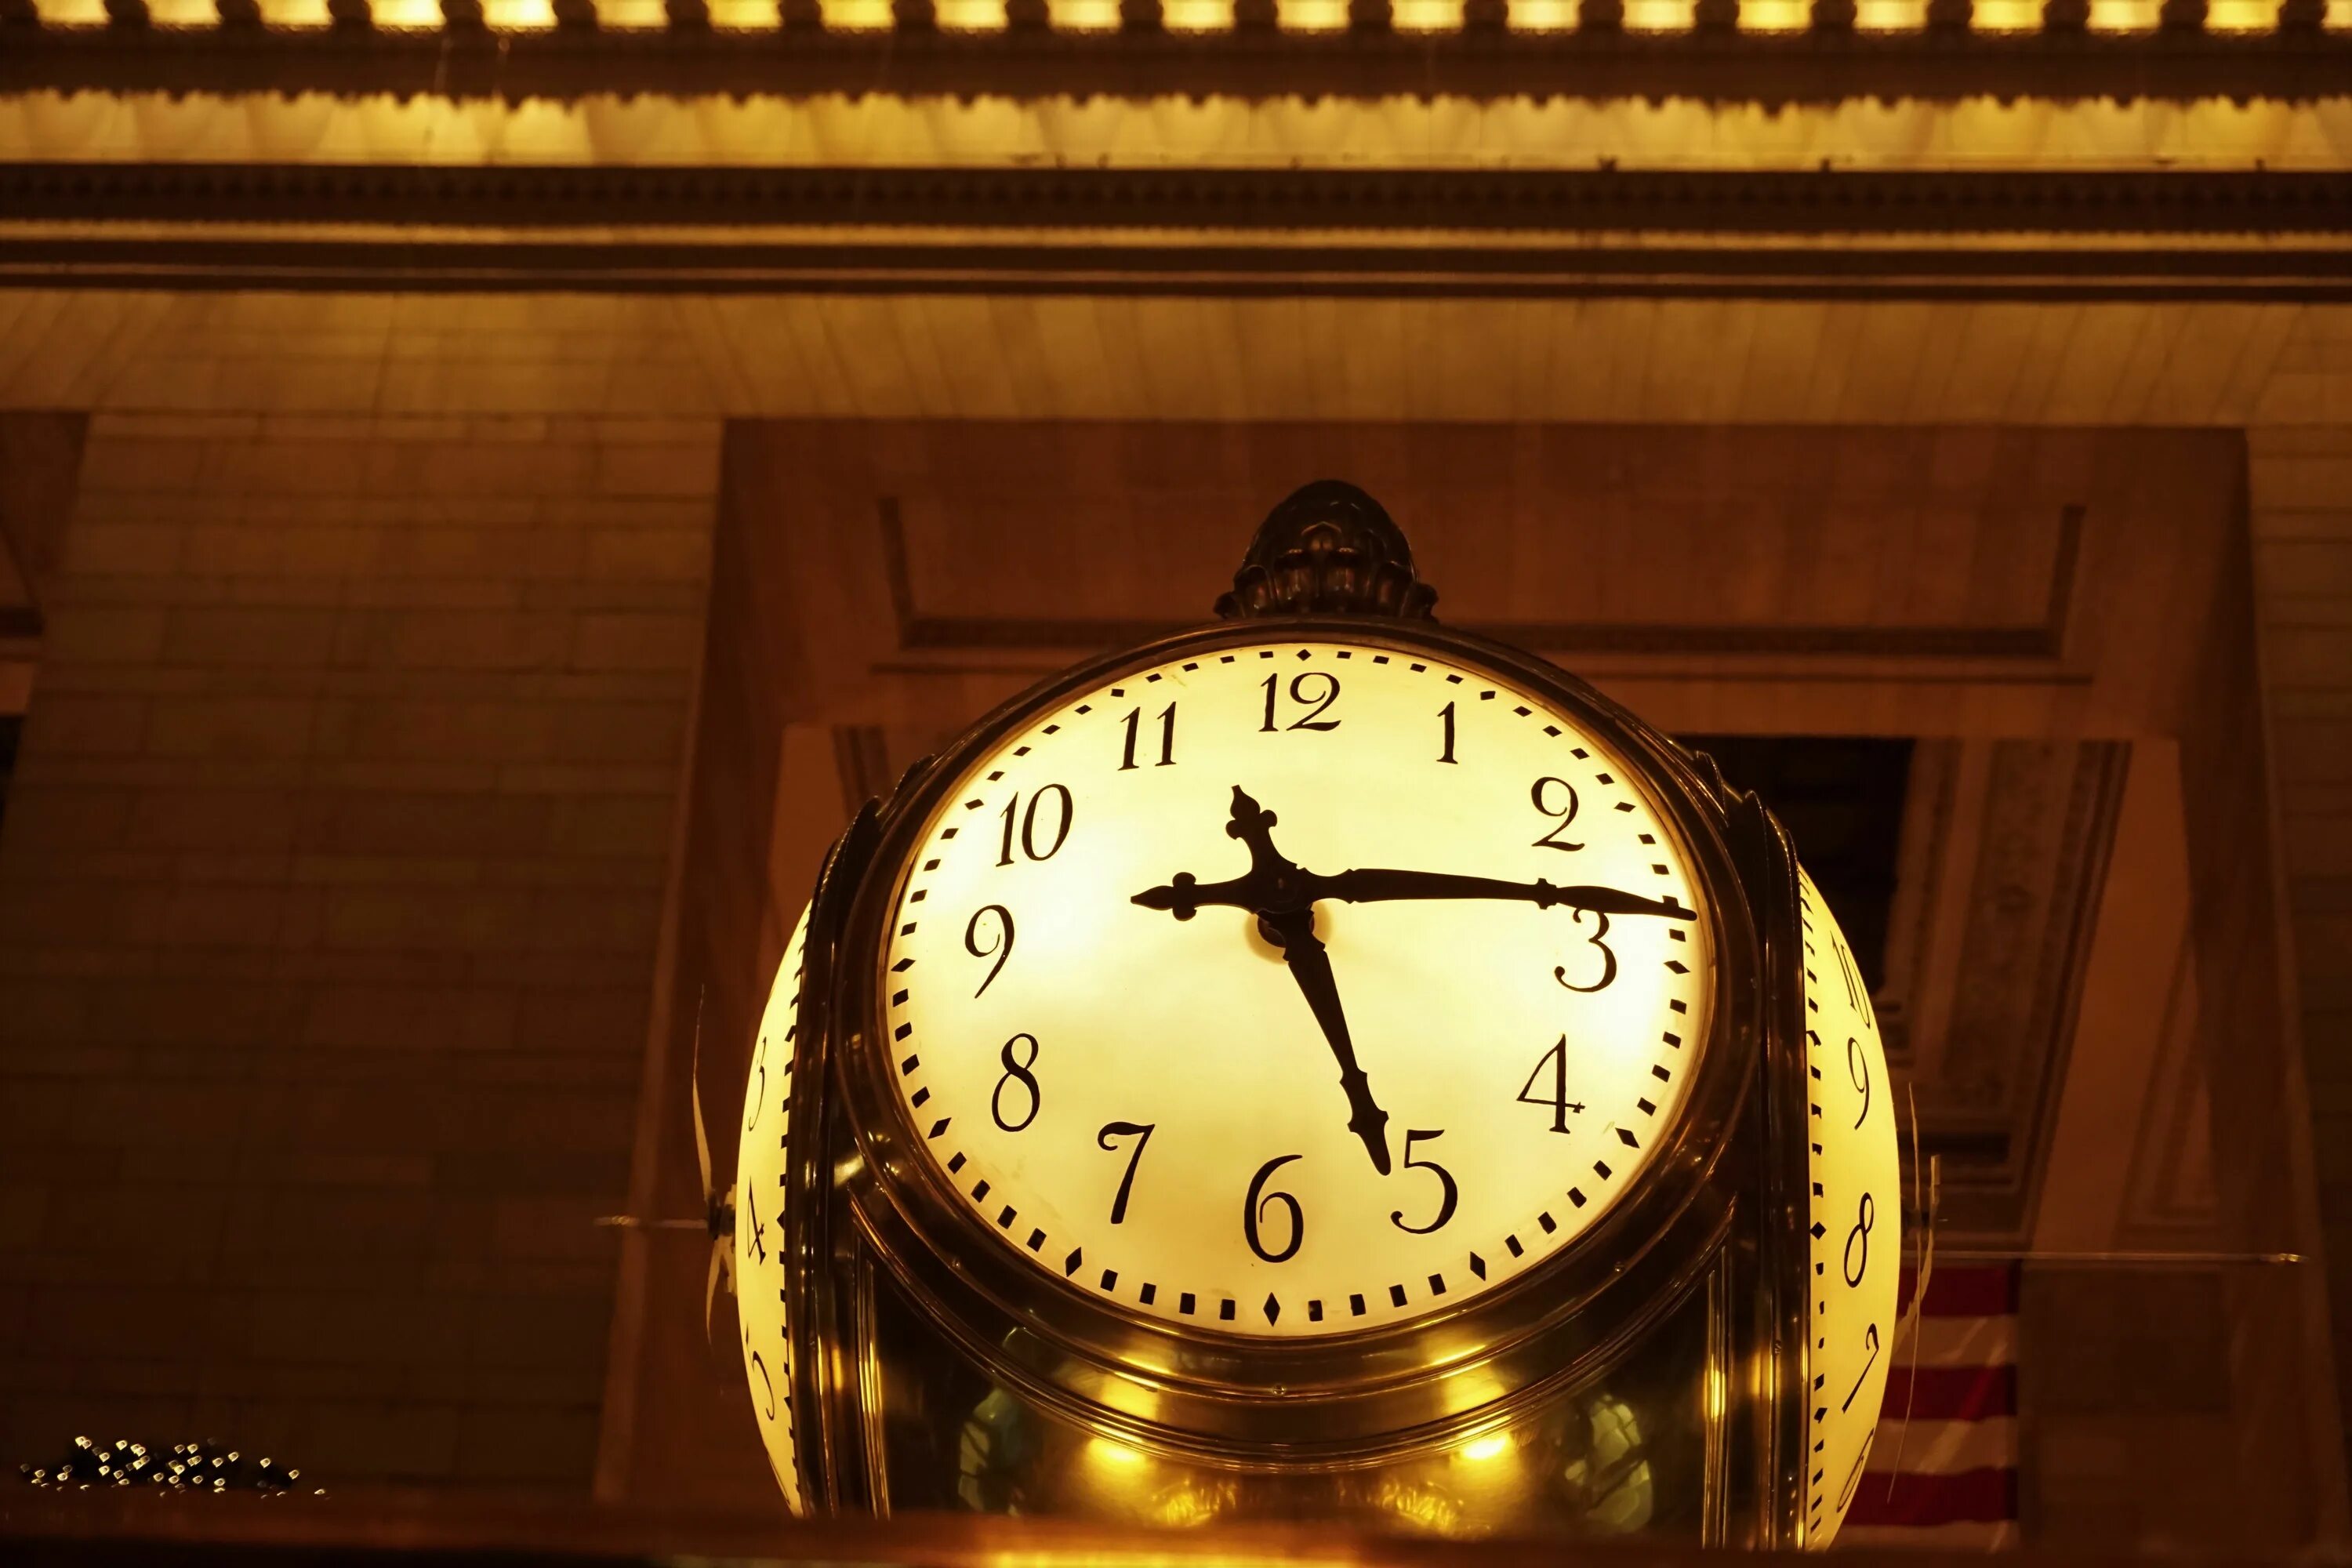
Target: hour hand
[1273, 882]
[1310, 966]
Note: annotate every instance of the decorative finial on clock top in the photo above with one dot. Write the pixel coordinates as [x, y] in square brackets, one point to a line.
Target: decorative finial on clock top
[1328, 549]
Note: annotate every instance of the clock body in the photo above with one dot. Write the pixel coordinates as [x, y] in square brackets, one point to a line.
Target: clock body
[1322, 1066]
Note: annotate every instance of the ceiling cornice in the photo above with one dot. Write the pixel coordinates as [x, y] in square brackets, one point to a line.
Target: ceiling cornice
[2180, 63]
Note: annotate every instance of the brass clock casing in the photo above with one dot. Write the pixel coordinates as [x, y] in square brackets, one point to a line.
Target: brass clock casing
[1648, 1379]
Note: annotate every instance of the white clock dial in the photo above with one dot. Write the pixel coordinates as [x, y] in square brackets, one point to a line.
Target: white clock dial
[1857, 1219]
[1256, 1127]
[759, 1249]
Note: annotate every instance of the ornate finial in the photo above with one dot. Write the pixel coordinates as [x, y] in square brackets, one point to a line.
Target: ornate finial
[1329, 549]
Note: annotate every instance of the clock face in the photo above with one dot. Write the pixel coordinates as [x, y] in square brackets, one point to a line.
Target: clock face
[1857, 1219]
[759, 1249]
[1296, 989]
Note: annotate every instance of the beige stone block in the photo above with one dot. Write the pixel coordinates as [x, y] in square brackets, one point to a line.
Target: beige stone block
[656, 554]
[471, 639]
[632, 827]
[490, 553]
[632, 640]
[233, 820]
[261, 378]
[404, 823]
[643, 469]
[278, 550]
[2302, 483]
[589, 779]
[2307, 657]
[617, 732]
[490, 731]
[2287, 523]
[222, 916]
[120, 461]
[167, 384]
[174, 427]
[476, 920]
[251, 635]
[241, 727]
[60, 821]
[2304, 569]
[518, 469]
[287, 468]
[137, 550]
[2308, 749]
[2318, 846]
[66, 723]
[407, 1017]
[89, 634]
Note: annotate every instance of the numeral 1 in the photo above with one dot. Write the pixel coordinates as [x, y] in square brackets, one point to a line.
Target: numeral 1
[1446, 713]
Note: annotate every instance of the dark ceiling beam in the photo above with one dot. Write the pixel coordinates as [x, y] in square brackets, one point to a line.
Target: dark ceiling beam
[1782, 202]
[2179, 62]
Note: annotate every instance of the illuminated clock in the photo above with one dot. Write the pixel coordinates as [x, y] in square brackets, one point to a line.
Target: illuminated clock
[1856, 1210]
[761, 1250]
[1322, 1063]
[1298, 986]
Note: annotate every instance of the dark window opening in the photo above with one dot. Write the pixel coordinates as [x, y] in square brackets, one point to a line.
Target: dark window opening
[11, 726]
[1841, 798]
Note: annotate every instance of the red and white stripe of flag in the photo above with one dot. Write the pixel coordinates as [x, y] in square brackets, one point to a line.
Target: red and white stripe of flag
[1947, 1475]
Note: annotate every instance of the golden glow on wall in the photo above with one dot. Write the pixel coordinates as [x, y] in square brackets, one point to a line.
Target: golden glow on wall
[1206, 15]
[1890, 15]
[1428, 15]
[972, 16]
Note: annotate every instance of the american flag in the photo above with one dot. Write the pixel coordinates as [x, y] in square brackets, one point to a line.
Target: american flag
[1947, 1475]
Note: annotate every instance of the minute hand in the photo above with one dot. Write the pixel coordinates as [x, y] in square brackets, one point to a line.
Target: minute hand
[1383, 886]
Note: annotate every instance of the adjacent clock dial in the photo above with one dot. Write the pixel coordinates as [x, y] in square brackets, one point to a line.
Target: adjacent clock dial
[760, 1250]
[1857, 1218]
[1296, 989]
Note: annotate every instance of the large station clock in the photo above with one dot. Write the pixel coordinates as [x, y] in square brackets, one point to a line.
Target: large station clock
[1321, 1065]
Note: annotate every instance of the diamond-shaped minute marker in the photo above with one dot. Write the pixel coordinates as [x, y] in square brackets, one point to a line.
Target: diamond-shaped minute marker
[940, 1126]
[1477, 1266]
[1070, 1264]
[1273, 1308]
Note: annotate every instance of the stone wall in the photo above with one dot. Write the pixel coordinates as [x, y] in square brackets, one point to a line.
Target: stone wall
[329, 889]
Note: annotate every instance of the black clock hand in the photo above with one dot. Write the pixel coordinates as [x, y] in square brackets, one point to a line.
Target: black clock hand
[1273, 882]
[1184, 896]
[1385, 884]
[1311, 965]
[1274, 890]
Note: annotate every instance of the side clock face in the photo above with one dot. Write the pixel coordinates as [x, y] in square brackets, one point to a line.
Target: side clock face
[1856, 1220]
[1296, 989]
[759, 1249]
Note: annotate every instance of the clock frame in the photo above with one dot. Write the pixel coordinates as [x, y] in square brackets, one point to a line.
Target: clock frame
[904, 1310]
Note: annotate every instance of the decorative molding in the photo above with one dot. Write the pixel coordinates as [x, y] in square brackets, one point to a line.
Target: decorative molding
[1780, 202]
[1329, 233]
[1718, 63]
[2040, 861]
[919, 630]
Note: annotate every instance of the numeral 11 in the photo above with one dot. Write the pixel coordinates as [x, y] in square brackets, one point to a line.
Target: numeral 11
[1166, 737]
